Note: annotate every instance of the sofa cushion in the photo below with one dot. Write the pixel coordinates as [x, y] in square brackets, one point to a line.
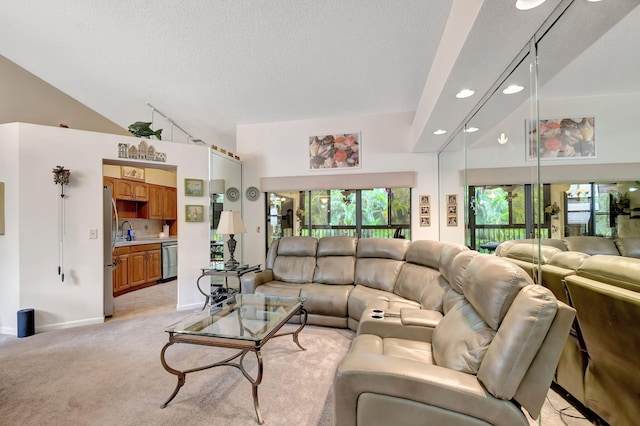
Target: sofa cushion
[628, 246]
[383, 248]
[414, 280]
[425, 252]
[455, 270]
[337, 246]
[339, 270]
[490, 284]
[568, 259]
[297, 246]
[279, 288]
[518, 340]
[591, 245]
[335, 261]
[530, 252]
[294, 269]
[461, 339]
[377, 273]
[619, 271]
[322, 299]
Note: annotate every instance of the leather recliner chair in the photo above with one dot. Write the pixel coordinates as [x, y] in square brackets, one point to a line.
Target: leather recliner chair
[493, 352]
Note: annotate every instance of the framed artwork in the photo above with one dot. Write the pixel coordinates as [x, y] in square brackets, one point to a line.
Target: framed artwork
[132, 173]
[194, 213]
[424, 210]
[452, 220]
[452, 209]
[194, 187]
[452, 198]
[425, 220]
[425, 199]
[336, 151]
[562, 138]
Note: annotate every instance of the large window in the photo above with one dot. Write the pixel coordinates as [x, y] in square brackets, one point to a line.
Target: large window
[506, 212]
[367, 213]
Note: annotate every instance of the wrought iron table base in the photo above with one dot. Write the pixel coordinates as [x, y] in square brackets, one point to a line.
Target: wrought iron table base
[255, 382]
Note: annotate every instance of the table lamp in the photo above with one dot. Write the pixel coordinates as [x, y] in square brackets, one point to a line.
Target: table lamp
[231, 224]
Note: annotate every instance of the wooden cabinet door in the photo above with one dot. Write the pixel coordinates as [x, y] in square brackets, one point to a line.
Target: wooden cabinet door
[137, 268]
[154, 265]
[110, 182]
[156, 202]
[123, 189]
[141, 191]
[121, 273]
[170, 204]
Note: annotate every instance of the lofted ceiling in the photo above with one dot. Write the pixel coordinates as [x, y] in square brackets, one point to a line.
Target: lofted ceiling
[213, 65]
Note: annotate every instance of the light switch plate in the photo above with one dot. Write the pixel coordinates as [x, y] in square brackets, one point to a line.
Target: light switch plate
[93, 233]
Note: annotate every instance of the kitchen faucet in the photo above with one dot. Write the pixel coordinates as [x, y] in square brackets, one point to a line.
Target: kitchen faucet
[130, 237]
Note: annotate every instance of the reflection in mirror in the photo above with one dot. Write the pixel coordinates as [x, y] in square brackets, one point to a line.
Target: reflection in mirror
[588, 97]
[224, 173]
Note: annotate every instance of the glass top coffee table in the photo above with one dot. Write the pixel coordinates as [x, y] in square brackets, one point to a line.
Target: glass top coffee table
[245, 322]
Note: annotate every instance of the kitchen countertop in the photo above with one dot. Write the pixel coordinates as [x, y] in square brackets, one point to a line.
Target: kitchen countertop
[146, 240]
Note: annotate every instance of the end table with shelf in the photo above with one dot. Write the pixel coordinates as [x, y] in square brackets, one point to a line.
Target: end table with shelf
[219, 270]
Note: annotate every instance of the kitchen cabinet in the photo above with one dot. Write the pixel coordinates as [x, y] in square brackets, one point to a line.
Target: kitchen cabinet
[139, 266]
[163, 203]
[130, 190]
[121, 270]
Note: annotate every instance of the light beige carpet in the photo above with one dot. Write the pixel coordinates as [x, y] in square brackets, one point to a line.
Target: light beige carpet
[110, 374]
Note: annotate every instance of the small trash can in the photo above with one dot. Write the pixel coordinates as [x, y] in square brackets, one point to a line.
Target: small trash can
[26, 323]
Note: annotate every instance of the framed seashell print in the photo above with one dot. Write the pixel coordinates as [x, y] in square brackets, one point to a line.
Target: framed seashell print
[335, 151]
[562, 139]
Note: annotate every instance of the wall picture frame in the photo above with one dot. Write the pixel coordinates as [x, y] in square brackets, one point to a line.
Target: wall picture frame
[335, 151]
[193, 213]
[132, 173]
[193, 187]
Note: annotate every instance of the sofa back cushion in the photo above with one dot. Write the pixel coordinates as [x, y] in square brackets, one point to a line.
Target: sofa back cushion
[336, 260]
[379, 261]
[296, 260]
[628, 246]
[592, 245]
[490, 284]
[568, 259]
[461, 339]
[517, 340]
[529, 252]
[415, 280]
[619, 271]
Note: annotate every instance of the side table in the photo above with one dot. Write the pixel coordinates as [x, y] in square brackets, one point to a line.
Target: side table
[219, 270]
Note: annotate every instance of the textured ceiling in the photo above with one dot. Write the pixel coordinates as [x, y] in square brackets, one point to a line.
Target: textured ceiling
[211, 65]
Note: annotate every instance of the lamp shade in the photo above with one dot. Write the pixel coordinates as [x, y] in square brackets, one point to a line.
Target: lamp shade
[230, 223]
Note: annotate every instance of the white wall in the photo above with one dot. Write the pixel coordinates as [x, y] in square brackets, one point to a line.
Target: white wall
[281, 149]
[32, 244]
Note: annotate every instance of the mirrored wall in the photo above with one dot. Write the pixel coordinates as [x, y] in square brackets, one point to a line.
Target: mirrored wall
[225, 193]
[559, 156]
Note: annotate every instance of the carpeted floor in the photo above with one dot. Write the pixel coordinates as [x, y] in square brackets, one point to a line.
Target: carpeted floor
[110, 374]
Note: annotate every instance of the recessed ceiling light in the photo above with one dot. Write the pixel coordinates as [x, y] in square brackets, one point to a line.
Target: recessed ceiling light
[465, 93]
[594, 1]
[471, 129]
[514, 88]
[440, 132]
[503, 139]
[528, 4]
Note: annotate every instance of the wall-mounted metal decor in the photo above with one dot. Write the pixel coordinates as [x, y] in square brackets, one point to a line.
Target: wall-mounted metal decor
[61, 177]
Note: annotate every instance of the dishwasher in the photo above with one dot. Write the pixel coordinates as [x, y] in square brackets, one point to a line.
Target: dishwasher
[169, 260]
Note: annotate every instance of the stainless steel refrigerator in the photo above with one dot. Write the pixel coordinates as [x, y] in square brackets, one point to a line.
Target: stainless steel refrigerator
[110, 225]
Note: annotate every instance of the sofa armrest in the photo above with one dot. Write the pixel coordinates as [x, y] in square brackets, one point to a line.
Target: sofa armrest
[420, 317]
[250, 281]
[453, 393]
[392, 327]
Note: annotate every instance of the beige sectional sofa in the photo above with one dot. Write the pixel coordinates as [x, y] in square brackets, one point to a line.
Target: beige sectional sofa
[600, 278]
[465, 338]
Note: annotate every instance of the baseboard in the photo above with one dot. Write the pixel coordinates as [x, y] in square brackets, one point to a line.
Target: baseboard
[69, 324]
[9, 330]
[189, 307]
